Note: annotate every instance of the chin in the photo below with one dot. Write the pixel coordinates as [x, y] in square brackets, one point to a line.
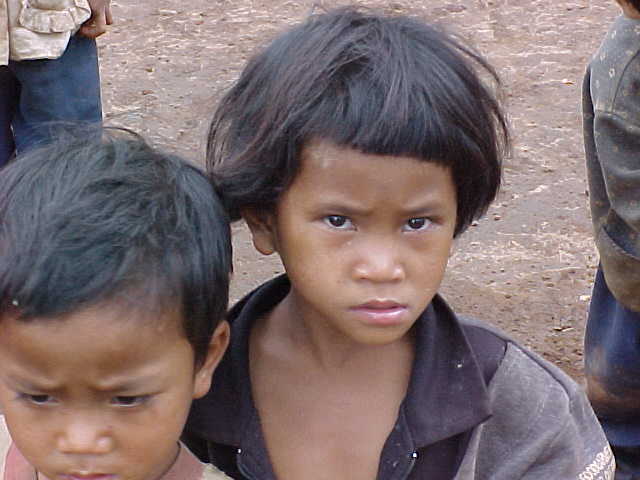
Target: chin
[379, 339]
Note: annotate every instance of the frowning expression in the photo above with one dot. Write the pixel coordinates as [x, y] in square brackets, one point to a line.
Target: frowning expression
[99, 394]
[364, 239]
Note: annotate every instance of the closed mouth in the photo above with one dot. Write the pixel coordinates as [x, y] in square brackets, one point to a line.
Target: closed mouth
[87, 476]
[382, 313]
[380, 305]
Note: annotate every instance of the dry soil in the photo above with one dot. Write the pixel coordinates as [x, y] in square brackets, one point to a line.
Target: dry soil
[529, 264]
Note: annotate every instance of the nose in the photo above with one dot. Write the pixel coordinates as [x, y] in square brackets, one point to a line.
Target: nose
[379, 262]
[86, 435]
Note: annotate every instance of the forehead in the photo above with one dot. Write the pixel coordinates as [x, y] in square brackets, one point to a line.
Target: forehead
[329, 170]
[101, 340]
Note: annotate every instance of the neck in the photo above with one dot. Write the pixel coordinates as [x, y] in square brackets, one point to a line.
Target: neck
[327, 349]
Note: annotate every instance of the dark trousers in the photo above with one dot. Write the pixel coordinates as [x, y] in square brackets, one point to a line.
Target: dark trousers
[8, 101]
[35, 94]
[612, 369]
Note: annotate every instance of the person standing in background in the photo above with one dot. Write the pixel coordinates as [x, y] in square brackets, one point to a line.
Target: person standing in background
[611, 108]
[48, 68]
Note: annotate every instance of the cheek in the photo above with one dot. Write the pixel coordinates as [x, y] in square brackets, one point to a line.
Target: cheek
[299, 250]
[33, 437]
[431, 258]
[151, 441]
[165, 419]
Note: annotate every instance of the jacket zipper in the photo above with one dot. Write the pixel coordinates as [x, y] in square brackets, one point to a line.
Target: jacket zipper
[412, 462]
[241, 468]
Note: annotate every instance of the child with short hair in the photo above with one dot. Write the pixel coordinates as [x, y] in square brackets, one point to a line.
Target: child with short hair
[611, 109]
[358, 146]
[114, 275]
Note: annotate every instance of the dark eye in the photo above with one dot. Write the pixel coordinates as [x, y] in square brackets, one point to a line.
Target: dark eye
[417, 223]
[37, 399]
[129, 400]
[338, 221]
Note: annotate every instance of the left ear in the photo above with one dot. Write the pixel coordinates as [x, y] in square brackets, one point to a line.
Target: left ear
[217, 347]
[263, 231]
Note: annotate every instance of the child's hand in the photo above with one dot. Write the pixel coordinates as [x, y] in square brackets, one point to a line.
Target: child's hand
[100, 18]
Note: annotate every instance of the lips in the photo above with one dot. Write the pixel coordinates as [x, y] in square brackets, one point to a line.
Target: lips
[381, 312]
[88, 476]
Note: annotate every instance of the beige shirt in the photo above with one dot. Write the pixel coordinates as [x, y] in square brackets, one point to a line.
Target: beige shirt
[37, 29]
[5, 441]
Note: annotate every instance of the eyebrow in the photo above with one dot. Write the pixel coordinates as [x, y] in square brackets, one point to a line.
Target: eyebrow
[423, 207]
[342, 207]
[39, 384]
[117, 385]
[426, 208]
[127, 384]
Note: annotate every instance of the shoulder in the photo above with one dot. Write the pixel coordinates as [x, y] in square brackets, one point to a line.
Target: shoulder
[619, 46]
[188, 466]
[212, 473]
[615, 67]
[541, 422]
[525, 378]
[12, 464]
[520, 367]
[219, 416]
[5, 442]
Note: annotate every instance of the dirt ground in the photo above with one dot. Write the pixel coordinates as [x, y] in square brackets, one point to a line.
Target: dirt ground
[528, 265]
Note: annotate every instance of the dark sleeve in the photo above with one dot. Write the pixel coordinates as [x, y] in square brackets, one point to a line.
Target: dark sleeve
[612, 146]
[617, 140]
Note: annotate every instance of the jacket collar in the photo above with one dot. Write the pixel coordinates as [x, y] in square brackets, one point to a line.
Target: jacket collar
[447, 394]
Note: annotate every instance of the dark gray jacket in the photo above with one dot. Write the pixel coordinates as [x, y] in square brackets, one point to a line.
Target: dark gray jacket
[542, 427]
[611, 110]
[478, 407]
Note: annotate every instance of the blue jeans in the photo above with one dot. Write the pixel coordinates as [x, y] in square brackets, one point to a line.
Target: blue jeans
[34, 94]
[612, 369]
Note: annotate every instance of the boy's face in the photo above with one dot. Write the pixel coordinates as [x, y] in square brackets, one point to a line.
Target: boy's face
[102, 393]
[365, 239]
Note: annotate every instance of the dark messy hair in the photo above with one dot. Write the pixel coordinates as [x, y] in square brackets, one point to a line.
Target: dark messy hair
[104, 217]
[389, 85]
